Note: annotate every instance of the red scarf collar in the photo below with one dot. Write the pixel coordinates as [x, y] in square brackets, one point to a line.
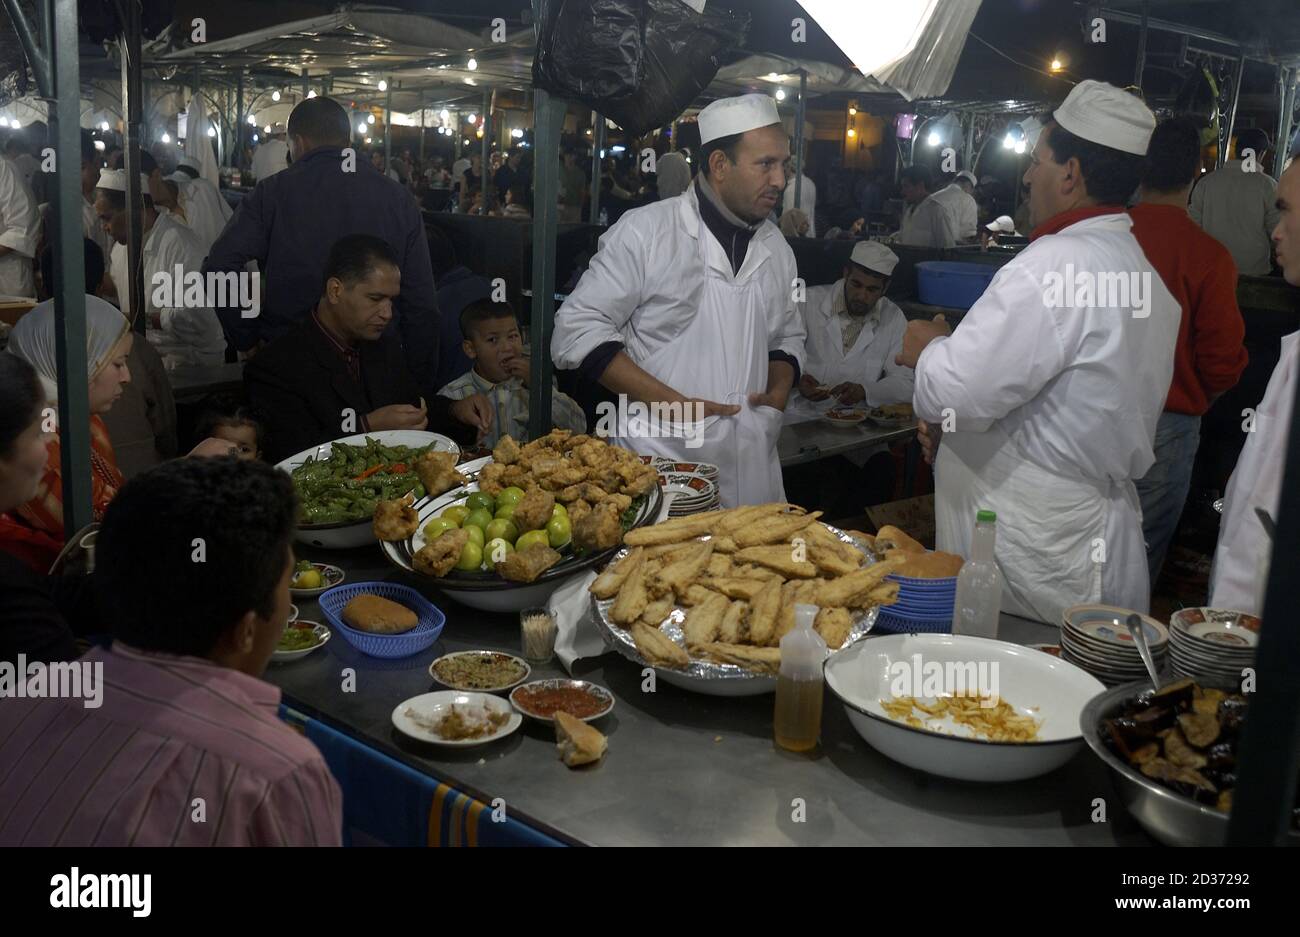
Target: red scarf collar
[1066, 218]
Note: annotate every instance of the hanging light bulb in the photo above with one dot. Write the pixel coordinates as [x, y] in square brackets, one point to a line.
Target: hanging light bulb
[266, 129]
[166, 138]
[472, 64]
[370, 118]
[517, 134]
[254, 138]
[252, 120]
[104, 126]
[853, 111]
[361, 128]
[852, 133]
[780, 94]
[275, 95]
[212, 131]
[444, 114]
[383, 85]
[473, 118]
[311, 94]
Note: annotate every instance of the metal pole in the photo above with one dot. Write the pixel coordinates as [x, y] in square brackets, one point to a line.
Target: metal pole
[1284, 131]
[456, 138]
[1232, 110]
[238, 161]
[69, 270]
[798, 138]
[1140, 65]
[970, 146]
[548, 122]
[422, 131]
[485, 123]
[388, 128]
[306, 83]
[133, 104]
[597, 144]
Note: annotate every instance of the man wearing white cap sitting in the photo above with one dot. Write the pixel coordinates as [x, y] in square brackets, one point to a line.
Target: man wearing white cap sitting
[1048, 394]
[958, 198]
[690, 300]
[182, 334]
[1003, 225]
[189, 198]
[854, 334]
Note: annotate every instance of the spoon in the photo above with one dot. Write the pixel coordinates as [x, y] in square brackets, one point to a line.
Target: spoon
[1134, 623]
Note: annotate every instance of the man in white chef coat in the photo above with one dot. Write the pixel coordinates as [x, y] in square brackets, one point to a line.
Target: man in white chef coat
[853, 336]
[1241, 561]
[690, 300]
[183, 334]
[926, 222]
[271, 155]
[958, 199]
[1047, 395]
[190, 199]
[20, 226]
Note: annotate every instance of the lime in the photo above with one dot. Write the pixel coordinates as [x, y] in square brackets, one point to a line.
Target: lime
[310, 579]
[511, 495]
[505, 511]
[480, 499]
[502, 528]
[558, 531]
[533, 537]
[437, 527]
[559, 510]
[456, 514]
[471, 557]
[476, 534]
[497, 550]
[479, 517]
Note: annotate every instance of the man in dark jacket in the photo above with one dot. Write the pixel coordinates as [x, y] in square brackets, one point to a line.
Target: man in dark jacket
[342, 371]
[290, 220]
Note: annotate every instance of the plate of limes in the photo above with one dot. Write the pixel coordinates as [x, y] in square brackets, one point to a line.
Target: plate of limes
[311, 579]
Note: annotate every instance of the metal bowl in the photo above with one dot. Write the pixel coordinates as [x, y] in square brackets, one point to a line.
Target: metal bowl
[1171, 818]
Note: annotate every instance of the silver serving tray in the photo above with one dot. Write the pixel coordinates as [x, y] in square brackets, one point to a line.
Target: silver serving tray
[708, 677]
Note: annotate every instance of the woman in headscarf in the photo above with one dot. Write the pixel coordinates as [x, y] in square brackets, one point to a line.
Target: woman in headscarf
[673, 175]
[33, 531]
[794, 223]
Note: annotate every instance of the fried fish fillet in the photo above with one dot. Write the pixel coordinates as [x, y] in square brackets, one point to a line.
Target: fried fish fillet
[724, 544]
[506, 451]
[704, 621]
[884, 594]
[733, 624]
[632, 598]
[738, 518]
[599, 529]
[736, 587]
[761, 659]
[779, 557]
[657, 648]
[763, 610]
[679, 574]
[527, 565]
[694, 595]
[748, 571]
[792, 593]
[834, 624]
[840, 591]
[611, 580]
[395, 520]
[578, 510]
[776, 528]
[719, 565]
[533, 510]
[674, 531]
[657, 611]
[831, 555]
[437, 471]
[438, 556]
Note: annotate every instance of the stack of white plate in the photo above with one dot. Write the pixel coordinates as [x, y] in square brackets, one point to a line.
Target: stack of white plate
[1212, 645]
[1096, 639]
[691, 493]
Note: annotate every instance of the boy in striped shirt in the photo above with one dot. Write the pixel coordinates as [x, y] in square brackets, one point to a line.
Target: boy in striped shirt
[501, 372]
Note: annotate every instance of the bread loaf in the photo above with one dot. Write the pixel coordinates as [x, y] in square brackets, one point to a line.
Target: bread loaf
[378, 615]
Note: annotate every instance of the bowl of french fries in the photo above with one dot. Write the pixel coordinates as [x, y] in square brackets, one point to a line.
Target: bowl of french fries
[974, 709]
[705, 599]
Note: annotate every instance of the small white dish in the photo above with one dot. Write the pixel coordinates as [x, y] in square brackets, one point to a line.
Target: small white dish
[431, 707]
[322, 634]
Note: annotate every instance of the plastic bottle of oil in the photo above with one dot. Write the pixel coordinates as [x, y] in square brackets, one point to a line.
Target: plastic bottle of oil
[799, 685]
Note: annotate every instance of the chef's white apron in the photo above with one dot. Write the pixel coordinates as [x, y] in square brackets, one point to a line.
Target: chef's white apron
[1061, 541]
[720, 356]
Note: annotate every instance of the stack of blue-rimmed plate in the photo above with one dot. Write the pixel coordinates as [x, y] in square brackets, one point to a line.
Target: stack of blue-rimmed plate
[922, 605]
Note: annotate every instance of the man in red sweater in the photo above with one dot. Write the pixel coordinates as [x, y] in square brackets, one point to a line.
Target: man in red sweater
[1210, 356]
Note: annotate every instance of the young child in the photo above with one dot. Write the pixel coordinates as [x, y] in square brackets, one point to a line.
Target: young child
[230, 419]
[501, 373]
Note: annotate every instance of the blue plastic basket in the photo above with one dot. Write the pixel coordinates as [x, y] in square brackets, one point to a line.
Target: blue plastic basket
[952, 283]
[907, 584]
[405, 644]
[898, 624]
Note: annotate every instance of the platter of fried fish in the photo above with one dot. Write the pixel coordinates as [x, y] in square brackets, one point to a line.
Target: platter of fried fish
[705, 599]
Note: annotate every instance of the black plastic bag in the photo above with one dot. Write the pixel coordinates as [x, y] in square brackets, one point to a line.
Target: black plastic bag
[637, 62]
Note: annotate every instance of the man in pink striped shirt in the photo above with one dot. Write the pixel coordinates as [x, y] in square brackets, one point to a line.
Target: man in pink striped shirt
[193, 563]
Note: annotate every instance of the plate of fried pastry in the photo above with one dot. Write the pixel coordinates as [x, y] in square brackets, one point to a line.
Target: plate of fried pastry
[706, 599]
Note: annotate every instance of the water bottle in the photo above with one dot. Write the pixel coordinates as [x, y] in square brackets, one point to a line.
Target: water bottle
[798, 719]
[979, 584]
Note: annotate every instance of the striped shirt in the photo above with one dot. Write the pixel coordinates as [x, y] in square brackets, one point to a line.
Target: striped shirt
[509, 401]
[182, 752]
